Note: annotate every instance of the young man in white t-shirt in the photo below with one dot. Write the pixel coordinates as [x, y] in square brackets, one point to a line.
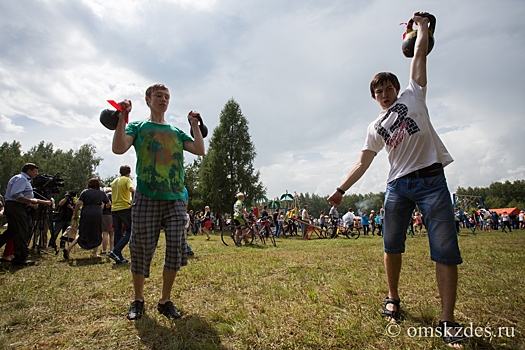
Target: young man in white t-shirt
[417, 158]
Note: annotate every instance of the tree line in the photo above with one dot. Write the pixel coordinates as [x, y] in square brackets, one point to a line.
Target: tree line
[499, 194]
[74, 167]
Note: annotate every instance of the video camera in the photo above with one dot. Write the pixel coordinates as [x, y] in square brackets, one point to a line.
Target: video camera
[47, 185]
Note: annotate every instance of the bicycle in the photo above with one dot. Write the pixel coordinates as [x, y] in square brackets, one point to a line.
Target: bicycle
[264, 232]
[346, 230]
[247, 234]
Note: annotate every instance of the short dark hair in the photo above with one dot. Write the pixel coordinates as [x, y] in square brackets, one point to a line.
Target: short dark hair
[382, 78]
[93, 183]
[153, 88]
[28, 166]
[125, 170]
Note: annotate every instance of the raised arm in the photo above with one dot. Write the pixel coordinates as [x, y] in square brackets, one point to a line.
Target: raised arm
[121, 141]
[418, 67]
[197, 146]
[355, 174]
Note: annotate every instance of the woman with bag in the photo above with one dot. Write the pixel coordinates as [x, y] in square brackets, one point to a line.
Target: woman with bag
[91, 200]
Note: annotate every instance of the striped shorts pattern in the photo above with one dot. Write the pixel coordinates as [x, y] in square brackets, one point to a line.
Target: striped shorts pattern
[149, 216]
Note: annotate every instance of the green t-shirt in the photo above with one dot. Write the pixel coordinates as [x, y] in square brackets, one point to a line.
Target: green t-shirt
[160, 159]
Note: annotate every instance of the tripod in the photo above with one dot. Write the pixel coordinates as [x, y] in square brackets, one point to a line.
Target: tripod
[39, 228]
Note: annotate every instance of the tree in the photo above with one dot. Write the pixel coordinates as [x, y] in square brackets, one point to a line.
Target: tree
[191, 182]
[11, 162]
[227, 168]
[74, 167]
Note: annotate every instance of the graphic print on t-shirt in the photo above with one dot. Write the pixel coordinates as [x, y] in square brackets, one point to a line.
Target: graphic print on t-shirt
[402, 125]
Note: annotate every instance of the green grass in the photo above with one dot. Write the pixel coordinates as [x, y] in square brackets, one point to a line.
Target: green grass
[317, 294]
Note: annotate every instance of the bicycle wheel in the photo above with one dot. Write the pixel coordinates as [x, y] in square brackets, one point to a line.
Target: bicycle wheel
[228, 236]
[258, 238]
[247, 237]
[354, 234]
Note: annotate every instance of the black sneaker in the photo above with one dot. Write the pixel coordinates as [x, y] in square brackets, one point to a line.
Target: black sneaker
[136, 310]
[114, 257]
[169, 310]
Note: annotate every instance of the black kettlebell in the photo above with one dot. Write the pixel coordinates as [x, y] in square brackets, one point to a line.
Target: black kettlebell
[109, 118]
[409, 37]
[204, 129]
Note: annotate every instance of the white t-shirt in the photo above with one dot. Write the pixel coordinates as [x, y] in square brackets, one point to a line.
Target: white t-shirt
[304, 215]
[349, 218]
[406, 133]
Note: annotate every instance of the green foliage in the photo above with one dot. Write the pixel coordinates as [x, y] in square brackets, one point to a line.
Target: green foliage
[227, 168]
[11, 162]
[191, 180]
[75, 167]
[499, 195]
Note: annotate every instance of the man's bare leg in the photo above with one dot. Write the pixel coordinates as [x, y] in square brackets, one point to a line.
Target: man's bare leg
[168, 278]
[447, 279]
[138, 286]
[393, 270]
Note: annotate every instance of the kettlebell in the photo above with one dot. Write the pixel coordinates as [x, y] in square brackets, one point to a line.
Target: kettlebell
[109, 118]
[204, 129]
[409, 37]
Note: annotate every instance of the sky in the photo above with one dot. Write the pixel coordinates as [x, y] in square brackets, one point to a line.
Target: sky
[300, 71]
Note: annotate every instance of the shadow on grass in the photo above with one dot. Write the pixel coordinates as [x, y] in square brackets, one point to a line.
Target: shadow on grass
[85, 261]
[189, 332]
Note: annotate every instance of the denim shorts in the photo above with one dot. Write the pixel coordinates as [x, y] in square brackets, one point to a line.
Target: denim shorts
[432, 196]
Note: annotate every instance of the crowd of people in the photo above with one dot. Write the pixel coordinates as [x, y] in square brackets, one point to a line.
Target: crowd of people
[486, 220]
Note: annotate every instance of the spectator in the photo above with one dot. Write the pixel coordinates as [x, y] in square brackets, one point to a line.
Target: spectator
[65, 207]
[9, 250]
[90, 203]
[305, 219]
[379, 226]
[322, 220]
[122, 193]
[239, 218]
[348, 219]
[18, 196]
[206, 222]
[107, 225]
[275, 218]
[365, 222]
[372, 220]
[505, 221]
[334, 219]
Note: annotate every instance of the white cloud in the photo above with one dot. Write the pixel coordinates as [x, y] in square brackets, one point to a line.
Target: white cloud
[300, 72]
[8, 128]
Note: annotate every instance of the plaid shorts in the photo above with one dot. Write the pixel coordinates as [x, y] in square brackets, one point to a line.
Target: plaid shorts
[149, 216]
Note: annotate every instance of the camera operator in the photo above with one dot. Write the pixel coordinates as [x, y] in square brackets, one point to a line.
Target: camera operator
[65, 206]
[18, 196]
[9, 249]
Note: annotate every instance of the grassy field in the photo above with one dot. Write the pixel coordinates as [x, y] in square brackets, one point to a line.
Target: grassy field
[317, 294]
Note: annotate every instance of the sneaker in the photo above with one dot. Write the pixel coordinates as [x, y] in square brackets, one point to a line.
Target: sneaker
[135, 310]
[103, 252]
[114, 257]
[124, 261]
[169, 310]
